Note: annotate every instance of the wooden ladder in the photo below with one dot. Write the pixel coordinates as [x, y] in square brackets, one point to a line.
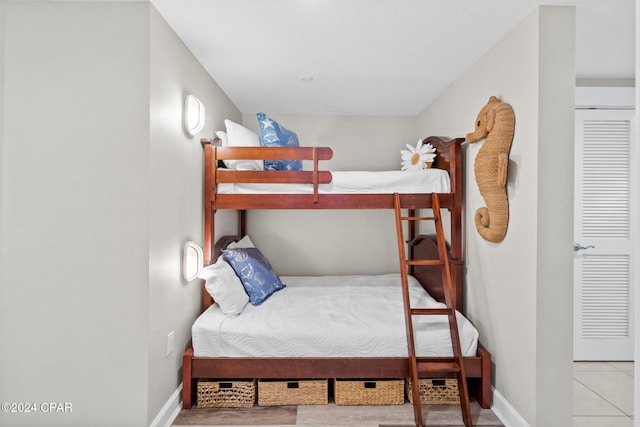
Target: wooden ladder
[442, 367]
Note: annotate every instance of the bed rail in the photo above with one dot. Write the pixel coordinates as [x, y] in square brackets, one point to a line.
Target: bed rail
[448, 157]
[314, 177]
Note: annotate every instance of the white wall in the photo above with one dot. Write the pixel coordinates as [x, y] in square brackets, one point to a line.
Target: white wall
[344, 241]
[519, 291]
[101, 187]
[75, 232]
[3, 7]
[554, 275]
[175, 214]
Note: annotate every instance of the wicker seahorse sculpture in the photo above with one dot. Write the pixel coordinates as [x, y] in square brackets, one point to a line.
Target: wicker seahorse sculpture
[495, 123]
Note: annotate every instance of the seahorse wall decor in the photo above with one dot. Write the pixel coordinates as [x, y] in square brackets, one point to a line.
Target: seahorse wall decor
[495, 123]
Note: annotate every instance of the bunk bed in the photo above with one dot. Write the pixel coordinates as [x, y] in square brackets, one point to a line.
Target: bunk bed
[232, 189]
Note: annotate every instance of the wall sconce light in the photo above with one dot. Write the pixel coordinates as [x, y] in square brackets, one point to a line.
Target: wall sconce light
[193, 115]
[192, 260]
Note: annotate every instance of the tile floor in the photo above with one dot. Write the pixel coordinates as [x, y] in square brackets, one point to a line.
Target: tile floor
[603, 394]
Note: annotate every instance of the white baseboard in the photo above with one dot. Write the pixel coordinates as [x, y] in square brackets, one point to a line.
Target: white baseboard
[169, 411]
[505, 412]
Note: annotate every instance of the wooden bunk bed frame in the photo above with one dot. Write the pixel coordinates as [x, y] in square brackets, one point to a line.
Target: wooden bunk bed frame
[448, 157]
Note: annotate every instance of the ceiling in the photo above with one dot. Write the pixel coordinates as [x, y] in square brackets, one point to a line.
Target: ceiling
[373, 57]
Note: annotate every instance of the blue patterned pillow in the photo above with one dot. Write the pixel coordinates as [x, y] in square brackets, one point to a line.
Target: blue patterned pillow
[255, 273]
[274, 135]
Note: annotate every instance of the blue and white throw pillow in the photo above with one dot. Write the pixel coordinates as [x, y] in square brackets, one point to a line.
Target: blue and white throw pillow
[255, 273]
[272, 134]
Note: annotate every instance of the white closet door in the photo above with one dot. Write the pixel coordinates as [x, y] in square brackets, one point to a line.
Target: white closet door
[603, 308]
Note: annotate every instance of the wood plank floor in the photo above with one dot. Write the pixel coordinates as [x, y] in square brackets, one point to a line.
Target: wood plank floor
[330, 415]
[603, 396]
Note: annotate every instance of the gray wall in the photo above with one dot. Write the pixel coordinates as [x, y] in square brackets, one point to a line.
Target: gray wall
[99, 183]
[175, 191]
[344, 241]
[3, 7]
[519, 291]
[75, 232]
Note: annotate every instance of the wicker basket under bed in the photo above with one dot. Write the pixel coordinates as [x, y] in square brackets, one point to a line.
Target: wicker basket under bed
[368, 392]
[292, 392]
[226, 394]
[436, 391]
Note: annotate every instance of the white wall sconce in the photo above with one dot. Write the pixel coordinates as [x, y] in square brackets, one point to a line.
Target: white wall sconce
[192, 260]
[193, 115]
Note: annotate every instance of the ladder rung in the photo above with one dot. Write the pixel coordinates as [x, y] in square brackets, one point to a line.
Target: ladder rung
[438, 367]
[430, 311]
[424, 262]
[418, 218]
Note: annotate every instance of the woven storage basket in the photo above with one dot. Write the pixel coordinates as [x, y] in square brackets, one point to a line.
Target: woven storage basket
[369, 392]
[436, 391]
[226, 394]
[294, 392]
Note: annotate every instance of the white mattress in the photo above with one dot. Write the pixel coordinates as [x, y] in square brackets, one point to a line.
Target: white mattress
[364, 182]
[330, 316]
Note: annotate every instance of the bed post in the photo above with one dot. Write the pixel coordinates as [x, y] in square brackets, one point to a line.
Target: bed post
[207, 242]
[455, 173]
[457, 262]
[187, 379]
[483, 390]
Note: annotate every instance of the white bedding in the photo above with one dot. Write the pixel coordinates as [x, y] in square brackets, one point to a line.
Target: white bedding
[330, 316]
[351, 182]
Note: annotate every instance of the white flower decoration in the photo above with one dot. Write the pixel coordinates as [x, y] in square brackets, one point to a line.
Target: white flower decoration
[416, 158]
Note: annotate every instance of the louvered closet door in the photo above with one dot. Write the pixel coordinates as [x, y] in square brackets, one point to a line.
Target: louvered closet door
[603, 310]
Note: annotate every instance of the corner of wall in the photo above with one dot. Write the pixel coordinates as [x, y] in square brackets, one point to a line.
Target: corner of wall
[176, 209]
[503, 279]
[554, 257]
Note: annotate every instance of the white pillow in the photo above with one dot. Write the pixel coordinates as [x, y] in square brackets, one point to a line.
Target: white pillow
[245, 242]
[240, 136]
[223, 137]
[225, 287]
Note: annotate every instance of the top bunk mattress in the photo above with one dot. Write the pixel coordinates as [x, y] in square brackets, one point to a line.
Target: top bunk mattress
[330, 316]
[357, 182]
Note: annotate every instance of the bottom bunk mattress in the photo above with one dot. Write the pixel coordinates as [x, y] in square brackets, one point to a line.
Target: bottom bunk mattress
[330, 316]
